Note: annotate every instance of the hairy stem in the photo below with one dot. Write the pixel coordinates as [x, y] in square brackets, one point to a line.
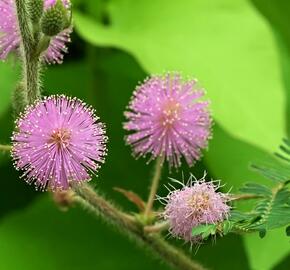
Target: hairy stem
[88, 198]
[24, 27]
[170, 254]
[154, 186]
[5, 147]
[29, 57]
[101, 206]
[32, 79]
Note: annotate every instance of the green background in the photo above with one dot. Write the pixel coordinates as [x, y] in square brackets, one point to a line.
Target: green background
[239, 51]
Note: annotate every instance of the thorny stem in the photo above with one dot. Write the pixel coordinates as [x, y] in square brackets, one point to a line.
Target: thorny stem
[5, 147]
[154, 187]
[29, 46]
[88, 198]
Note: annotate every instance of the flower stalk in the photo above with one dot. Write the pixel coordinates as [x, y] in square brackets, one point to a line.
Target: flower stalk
[31, 65]
[94, 202]
[154, 187]
[239, 197]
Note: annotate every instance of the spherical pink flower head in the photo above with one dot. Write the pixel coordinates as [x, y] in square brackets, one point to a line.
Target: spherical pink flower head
[58, 140]
[168, 119]
[194, 204]
[10, 35]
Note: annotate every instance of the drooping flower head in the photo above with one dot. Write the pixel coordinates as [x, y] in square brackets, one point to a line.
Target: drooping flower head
[10, 35]
[58, 140]
[196, 203]
[168, 119]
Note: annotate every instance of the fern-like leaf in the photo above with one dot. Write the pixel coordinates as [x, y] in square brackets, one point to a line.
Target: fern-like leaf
[256, 189]
[274, 211]
[278, 171]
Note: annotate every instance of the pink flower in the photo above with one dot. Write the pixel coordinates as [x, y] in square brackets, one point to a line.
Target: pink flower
[58, 140]
[10, 36]
[194, 204]
[168, 119]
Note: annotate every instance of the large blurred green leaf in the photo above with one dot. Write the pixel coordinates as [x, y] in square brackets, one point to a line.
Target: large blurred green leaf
[225, 43]
[277, 12]
[229, 159]
[265, 253]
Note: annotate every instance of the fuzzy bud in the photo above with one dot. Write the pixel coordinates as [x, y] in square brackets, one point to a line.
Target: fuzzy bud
[35, 8]
[54, 19]
[194, 204]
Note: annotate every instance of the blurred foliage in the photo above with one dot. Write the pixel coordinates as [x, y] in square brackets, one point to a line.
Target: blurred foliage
[224, 44]
[231, 48]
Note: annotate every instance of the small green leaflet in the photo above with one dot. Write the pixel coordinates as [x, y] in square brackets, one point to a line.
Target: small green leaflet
[204, 230]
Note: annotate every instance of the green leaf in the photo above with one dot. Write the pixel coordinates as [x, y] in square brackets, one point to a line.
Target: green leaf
[288, 231]
[256, 189]
[225, 44]
[264, 254]
[277, 172]
[262, 233]
[238, 216]
[204, 230]
[277, 12]
[274, 212]
[227, 226]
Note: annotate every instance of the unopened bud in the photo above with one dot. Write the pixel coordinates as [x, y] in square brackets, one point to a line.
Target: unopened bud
[54, 19]
[35, 9]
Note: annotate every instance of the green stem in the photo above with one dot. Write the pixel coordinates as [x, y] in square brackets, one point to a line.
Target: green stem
[158, 227]
[154, 186]
[32, 79]
[239, 197]
[29, 47]
[5, 147]
[24, 27]
[88, 198]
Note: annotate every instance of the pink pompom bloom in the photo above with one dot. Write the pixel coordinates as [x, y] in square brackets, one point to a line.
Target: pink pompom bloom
[10, 37]
[168, 119]
[58, 140]
[196, 203]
